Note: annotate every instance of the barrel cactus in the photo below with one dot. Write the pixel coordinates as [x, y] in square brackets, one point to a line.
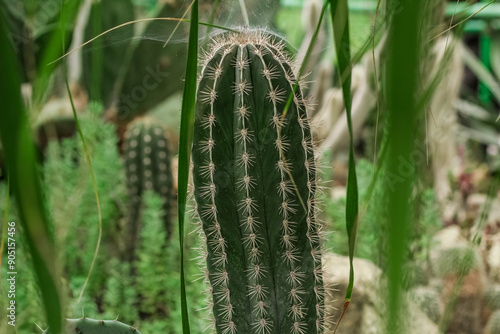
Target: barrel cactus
[148, 167]
[254, 176]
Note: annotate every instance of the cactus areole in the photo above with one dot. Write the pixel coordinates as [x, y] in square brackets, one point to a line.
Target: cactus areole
[254, 185]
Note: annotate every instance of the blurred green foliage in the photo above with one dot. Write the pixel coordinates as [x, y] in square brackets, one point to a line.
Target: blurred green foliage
[372, 225]
[143, 293]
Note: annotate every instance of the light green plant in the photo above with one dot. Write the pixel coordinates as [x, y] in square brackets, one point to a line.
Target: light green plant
[255, 183]
[427, 223]
[369, 233]
[120, 296]
[153, 260]
[145, 292]
[428, 300]
[455, 261]
[28, 303]
[67, 180]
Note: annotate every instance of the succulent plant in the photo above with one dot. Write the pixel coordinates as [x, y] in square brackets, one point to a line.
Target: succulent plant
[148, 167]
[493, 326]
[456, 260]
[429, 302]
[414, 275]
[492, 297]
[92, 326]
[254, 177]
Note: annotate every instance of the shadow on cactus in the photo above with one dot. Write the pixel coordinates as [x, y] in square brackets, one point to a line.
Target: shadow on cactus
[254, 180]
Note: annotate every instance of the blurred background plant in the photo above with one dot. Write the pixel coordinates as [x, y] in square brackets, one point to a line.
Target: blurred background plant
[451, 255]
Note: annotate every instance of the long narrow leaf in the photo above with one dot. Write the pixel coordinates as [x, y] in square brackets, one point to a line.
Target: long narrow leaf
[478, 68]
[185, 142]
[21, 162]
[91, 168]
[340, 19]
[401, 84]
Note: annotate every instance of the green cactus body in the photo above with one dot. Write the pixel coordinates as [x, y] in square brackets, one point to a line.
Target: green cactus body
[91, 326]
[148, 167]
[254, 185]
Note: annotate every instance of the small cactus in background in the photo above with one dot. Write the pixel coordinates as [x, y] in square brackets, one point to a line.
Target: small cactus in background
[429, 302]
[92, 326]
[148, 167]
[493, 326]
[254, 180]
[492, 297]
[414, 275]
[454, 261]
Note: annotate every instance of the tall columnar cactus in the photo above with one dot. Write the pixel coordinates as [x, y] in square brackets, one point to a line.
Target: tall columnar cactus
[254, 180]
[91, 326]
[148, 167]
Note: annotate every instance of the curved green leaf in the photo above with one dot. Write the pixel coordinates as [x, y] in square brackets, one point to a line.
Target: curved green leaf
[21, 161]
[185, 142]
[340, 19]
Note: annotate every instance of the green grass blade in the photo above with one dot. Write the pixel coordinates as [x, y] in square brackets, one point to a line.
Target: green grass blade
[401, 85]
[340, 19]
[461, 22]
[89, 163]
[185, 142]
[52, 50]
[94, 186]
[98, 53]
[375, 75]
[305, 60]
[481, 71]
[21, 162]
[296, 86]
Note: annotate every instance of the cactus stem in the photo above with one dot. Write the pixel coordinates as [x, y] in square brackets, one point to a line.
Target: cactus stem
[260, 158]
